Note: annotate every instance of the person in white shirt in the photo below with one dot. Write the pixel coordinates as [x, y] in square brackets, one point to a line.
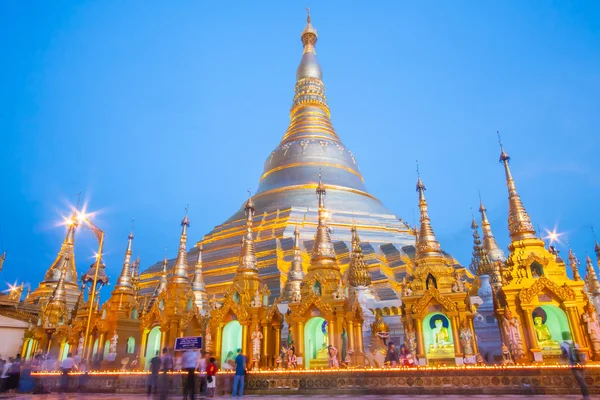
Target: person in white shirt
[189, 363]
[4, 376]
[66, 366]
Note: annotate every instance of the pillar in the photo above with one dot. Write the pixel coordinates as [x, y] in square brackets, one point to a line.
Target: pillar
[529, 330]
[300, 345]
[421, 351]
[574, 325]
[89, 349]
[359, 338]
[265, 344]
[245, 341]
[331, 333]
[457, 346]
[277, 340]
[142, 349]
[101, 345]
[475, 344]
[219, 342]
[350, 334]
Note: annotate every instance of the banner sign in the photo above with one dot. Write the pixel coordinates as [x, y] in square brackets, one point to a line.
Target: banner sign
[188, 343]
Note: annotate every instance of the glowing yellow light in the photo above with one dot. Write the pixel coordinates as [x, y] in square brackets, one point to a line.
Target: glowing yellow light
[553, 236]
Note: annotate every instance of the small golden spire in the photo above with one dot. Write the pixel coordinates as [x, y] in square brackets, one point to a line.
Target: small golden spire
[358, 276]
[247, 262]
[489, 241]
[322, 246]
[427, 244]
[180, 269]
[519, 223]
[60, 294]
[124, 280]
[592, 278]
[596, 246]
[296, 273]
[162, 283]
[198, 282]
[2, 259]
[480, 262]
[574, 263]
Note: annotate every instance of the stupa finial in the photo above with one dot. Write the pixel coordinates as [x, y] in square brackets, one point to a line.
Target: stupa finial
[180, 269]
[519, 223]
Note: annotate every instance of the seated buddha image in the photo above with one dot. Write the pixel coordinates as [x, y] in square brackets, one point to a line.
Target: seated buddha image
[441, 343]
[543, 334]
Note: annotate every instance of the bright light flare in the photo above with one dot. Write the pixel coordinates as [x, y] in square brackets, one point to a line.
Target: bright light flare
[553, 236]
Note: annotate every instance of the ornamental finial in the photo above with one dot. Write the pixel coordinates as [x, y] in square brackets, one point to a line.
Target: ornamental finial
[181, 267]
[489, 241]
[574, 263]
[358, 275]
[124, 281]
[247, 261]
[427, 245]
[519, 223]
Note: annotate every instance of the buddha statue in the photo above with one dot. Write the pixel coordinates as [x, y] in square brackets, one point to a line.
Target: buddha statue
[440, 334]
[542, 332]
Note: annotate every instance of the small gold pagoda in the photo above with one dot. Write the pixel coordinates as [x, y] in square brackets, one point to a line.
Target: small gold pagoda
[538, 305]
[244, 320]
[324, 314]
[436, 300]
[173, 312]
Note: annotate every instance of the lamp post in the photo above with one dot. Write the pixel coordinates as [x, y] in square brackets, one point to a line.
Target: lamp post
[100, 236]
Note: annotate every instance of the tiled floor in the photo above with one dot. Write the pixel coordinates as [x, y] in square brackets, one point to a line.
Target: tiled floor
[373, 397]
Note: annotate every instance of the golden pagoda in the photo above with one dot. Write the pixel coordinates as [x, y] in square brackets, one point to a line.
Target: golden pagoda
[173, 312]
[324, 314]
[538, 305]
[244, 320]
[436, 300]
[53, 274]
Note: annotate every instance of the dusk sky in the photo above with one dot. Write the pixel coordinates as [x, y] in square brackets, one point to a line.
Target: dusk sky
[147, 106]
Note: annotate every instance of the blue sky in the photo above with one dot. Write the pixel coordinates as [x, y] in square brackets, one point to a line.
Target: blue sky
[147, 106]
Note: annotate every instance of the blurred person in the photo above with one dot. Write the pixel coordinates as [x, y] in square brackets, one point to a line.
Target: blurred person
[240, 372]
[211, 377]
[189, 363]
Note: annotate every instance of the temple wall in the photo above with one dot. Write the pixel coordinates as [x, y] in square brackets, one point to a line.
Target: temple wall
[557, 380]
[11, 332]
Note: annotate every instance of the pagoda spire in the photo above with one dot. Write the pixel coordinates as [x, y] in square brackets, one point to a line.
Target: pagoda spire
[296, 273]
[592, 278]
[198, 282]
[309, 107]
[427, 244]
[180, 269]
[519, 223]
[247, 261]
[574, 263]
[358, 276]
[596, 247]
[489, 241]
[124, 282]
[323, 246]
[59, 295]
[480, 262]
[162, 283]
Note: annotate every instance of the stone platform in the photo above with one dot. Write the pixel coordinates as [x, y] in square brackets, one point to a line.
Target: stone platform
[526, 380]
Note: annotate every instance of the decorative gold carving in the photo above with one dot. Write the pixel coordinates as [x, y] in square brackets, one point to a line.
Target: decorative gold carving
[564, 292]
[433, 293]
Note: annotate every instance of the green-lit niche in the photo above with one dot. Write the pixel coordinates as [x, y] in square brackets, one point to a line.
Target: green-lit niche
[232, 341]
[315, 340]
[437, 335]
[153, 345]
[551, 327]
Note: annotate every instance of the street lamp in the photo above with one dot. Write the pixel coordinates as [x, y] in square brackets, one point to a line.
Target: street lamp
[83, 220]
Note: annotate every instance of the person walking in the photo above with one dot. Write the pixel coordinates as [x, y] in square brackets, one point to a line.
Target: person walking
[211, 377]
[14, 374]
[5, 381]
[570, 351]
[155, 364]
[240, 372]
[189, 363]
[167, 365]
[66, 366]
